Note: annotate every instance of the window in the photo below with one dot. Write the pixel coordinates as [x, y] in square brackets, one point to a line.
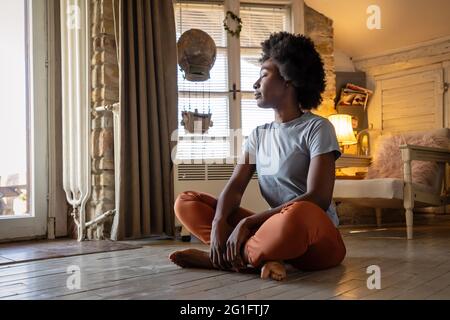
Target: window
[215, 95]
[14, 112]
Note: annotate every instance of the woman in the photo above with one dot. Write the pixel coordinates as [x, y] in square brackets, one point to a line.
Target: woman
[295, 159]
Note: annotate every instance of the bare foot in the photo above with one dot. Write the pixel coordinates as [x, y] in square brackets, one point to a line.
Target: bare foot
[274, 270]
[192, 258]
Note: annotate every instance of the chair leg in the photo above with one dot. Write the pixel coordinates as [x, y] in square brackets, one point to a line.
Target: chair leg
[409, 223]
[378, 213]
[408, 196]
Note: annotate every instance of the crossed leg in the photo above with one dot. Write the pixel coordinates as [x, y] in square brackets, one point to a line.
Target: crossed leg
[196, 210]
[301, 234]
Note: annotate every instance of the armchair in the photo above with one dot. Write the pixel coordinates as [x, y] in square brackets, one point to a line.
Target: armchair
[408, 171]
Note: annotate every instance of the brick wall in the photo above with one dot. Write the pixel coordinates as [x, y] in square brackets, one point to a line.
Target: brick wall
[105, 91]
[320, 29]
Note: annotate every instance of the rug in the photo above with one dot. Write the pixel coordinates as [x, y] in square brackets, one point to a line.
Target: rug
[45, 249]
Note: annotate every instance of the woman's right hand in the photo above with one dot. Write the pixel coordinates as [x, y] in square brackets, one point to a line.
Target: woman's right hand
[220, 232]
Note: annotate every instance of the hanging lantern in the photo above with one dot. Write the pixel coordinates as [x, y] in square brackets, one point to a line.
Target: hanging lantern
[196, 55]
[195, 122]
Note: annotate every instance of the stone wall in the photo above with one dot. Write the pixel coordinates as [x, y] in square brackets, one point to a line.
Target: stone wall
[320, 29]
[105, 91]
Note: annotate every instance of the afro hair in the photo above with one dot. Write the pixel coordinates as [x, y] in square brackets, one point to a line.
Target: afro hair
[298, 62]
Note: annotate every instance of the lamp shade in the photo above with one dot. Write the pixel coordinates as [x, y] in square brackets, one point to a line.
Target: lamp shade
[344, 129]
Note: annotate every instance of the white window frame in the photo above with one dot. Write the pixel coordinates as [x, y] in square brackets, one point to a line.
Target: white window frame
[35, 224]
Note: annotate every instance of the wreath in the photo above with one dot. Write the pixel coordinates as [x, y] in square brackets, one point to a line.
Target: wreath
[236, 32]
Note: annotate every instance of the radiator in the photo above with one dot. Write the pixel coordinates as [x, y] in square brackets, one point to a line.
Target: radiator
[76, 111]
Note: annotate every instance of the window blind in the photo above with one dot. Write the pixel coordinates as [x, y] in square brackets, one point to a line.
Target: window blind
[258, 23]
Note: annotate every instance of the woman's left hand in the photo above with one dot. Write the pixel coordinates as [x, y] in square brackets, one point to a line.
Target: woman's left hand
[237, 238]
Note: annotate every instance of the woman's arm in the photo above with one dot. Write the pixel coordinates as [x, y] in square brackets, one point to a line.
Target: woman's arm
[230, 198]
[228, 202]
[320, 184]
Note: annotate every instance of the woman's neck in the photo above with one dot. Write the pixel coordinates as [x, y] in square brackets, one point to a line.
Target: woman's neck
[287, 114]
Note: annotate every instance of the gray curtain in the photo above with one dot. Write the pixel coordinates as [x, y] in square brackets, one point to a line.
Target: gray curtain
[149, 116]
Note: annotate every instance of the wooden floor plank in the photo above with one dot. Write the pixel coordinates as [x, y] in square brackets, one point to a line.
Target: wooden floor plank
[415, 269]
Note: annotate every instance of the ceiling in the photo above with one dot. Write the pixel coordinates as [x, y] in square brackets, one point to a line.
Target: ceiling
[403, 23]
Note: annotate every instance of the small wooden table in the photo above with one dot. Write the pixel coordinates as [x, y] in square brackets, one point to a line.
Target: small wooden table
[351, 160]
[356, 177]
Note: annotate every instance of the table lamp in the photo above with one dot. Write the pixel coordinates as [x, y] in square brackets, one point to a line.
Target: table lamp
[344, 130]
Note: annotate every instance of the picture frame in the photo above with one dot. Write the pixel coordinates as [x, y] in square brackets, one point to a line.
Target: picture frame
[351, 97]
[353, 100]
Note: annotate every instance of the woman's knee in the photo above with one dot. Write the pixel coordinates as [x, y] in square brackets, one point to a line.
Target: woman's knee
[182, 199]
[189, 202]
[304, 219]
[286, 226]
[306, 206]
[296, 212]
[303, 213]
[188, 196]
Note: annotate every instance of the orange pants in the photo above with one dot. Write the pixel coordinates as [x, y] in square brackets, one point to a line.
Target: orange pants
[301, 234]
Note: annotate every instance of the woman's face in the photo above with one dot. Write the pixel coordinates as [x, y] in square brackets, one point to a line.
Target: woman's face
[270, 87]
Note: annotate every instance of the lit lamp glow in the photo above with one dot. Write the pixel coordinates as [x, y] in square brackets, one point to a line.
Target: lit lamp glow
[344, 130]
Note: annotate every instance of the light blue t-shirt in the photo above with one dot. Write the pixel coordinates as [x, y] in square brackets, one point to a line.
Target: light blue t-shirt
[282, 153]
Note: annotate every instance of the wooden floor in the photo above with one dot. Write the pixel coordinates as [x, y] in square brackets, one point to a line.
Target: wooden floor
[415, 269]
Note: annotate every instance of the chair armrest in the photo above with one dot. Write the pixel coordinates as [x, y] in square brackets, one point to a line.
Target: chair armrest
[413, 152]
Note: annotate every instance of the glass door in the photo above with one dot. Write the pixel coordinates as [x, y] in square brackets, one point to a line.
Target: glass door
[23, 119]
